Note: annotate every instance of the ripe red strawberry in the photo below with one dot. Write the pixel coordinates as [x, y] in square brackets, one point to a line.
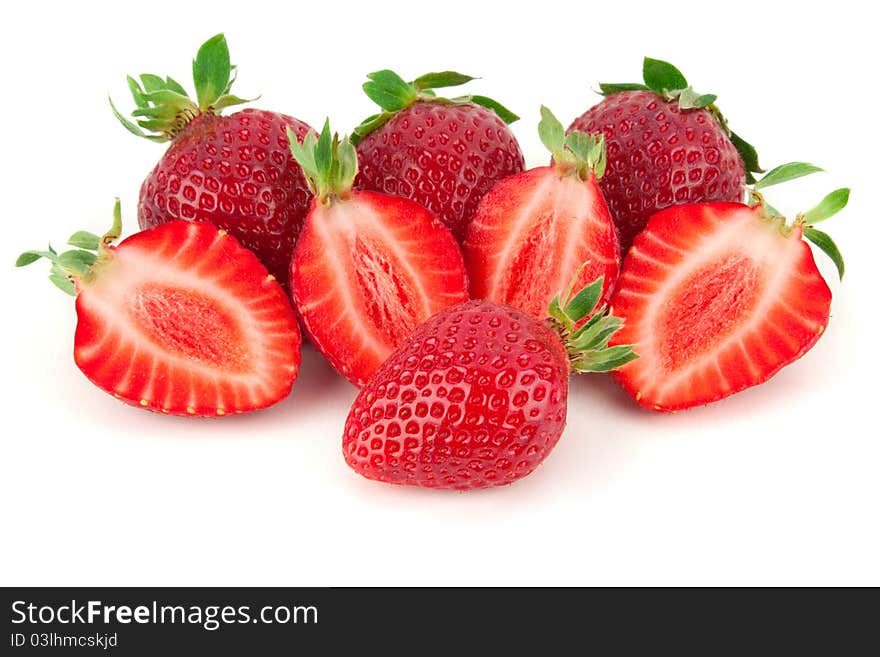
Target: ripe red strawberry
[534, 230]
[178, 319]
[368, 267]
[666, 145]
[442, 153]
[477, 395]
[234, 171]
[718, 297]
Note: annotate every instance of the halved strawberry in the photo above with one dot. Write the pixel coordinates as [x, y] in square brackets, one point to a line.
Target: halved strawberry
[368, 267]
[534, 230]
[178, 319]
[718, 297]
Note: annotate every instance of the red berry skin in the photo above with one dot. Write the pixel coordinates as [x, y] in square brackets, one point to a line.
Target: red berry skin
[658, 156]
[442, 156]
[237, 173]
[476, 397]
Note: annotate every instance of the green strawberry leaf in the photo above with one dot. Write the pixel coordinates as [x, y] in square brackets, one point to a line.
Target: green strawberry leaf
[128, 125]
[584, 302]
[324, 151]
[152, 82]
[63, 283]
[211, 70]
[604, 360]
[786, 172]
[174, 85]
[611, 88]
[662, 77]
[749, 156]
[85, 240]
[389, 91]
[29, 257]
[228, 100]
[503, 113]
[77, 262]
[827, 245]
[440, 80]
[705, 100]
[551, 132]
[136, 92]
[827, 207]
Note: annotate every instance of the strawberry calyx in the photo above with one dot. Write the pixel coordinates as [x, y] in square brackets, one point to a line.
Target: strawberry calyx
[830, 205]
[586, 342]
[576, 153]
[328, 163]
[393, 94]
[77, 264]
[669, 83]
[164, 108]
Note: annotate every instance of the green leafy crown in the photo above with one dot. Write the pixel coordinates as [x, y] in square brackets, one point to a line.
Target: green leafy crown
[79, 263]
[827, 207]
[667, 81]
[328, 162]
[578, 152]
[587, 341]
[392, 93]
[163, 106]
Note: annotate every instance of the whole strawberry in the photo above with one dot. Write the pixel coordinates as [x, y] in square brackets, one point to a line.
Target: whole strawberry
[666, 145]
[476, 397]
[443, 153]
[234, 171]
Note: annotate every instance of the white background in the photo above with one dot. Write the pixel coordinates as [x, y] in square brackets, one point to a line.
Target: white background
[777, 485]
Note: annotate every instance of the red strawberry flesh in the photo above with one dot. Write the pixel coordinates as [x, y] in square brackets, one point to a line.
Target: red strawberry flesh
[716, 299]
[181, 319]
[531, 234]
[366, 271]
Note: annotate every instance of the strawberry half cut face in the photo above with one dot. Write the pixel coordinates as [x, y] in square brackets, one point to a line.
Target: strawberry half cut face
[366, 271]
[716, 297]
[181, 319]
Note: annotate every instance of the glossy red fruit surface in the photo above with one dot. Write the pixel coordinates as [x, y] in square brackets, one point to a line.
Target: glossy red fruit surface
[182, 319]
[716, 298]
[368, 269]
[659, 155]
[533, 232]
[476, 397]
[443, 156]
[237, 173]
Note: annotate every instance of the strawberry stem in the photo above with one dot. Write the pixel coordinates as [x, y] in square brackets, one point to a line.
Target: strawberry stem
[328, 163]
[826, 208]
[577, 152]
[76, 264]
[586, 342]
[393, 94]
[163, 108]
[669, 83]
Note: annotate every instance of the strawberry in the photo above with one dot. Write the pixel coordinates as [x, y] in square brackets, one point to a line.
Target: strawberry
[476, 396]
[368, 267]
[533, 230]
[718, 297]
[234, 171]
[178, 319]
[443, 153]
[666, 145]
